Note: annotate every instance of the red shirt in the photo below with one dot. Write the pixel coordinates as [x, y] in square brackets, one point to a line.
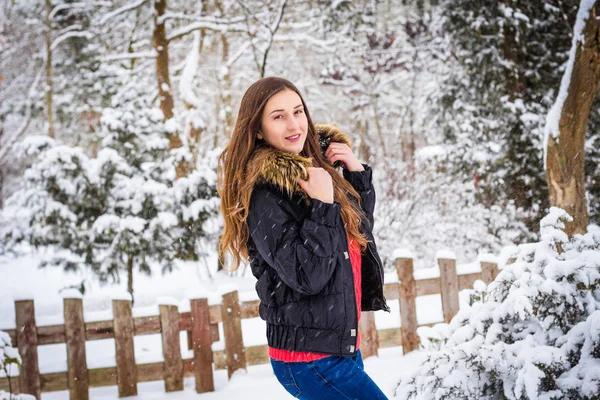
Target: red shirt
[303, 356]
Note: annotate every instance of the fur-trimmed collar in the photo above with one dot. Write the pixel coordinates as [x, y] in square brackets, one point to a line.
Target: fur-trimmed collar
[283, 169]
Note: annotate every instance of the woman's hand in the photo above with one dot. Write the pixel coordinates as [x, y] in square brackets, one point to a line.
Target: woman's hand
[319, 185]
[340, 151]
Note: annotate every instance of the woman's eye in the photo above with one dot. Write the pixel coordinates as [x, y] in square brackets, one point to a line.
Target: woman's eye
[278, 117]
[299, 111]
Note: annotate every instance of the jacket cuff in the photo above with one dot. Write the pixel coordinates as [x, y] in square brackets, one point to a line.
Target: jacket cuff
[325, 213]
[360, 180]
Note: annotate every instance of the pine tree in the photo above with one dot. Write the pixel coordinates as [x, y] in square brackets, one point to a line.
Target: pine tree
[506, 69]
[119, 212]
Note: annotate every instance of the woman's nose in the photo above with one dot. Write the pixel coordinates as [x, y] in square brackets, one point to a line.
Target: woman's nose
[292, 124]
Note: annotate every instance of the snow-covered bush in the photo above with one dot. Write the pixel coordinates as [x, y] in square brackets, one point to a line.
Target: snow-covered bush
[433, 338]
[535, 336]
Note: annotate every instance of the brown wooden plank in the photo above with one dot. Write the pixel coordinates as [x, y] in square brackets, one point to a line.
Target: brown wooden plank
[369, 342]
[220, 359]
[232, 329]
[100, 377]
[188, 367]
[257, 355]
[99, 330]
[54, 382]
[27, 341]
[185, 321]
[249, 309]
[151, 372]
[146, 325]
[201, 344]
[123, 328]
[408, 307]
[391, 337]
[10, 386]
[215, 314]
[51, 334]
[169, 323]
[489, 272]
[390, 291]
[76, 357]
[448, 288]
[466, 281]
[426, 287]
[214, 332]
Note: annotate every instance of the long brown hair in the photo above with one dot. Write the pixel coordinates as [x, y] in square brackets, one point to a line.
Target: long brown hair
[235, 186]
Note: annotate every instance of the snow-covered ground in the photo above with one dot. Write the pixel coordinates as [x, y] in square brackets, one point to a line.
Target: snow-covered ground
[23, 279]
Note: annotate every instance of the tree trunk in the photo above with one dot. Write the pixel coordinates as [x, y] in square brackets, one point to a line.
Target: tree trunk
[191, 104]
[161, 45]
[49, 73]
[130, 277]
[565, 152]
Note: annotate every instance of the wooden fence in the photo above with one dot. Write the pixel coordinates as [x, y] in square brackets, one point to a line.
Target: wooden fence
[201, 324]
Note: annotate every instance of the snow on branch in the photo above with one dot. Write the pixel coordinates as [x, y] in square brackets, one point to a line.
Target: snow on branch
[121, 10]
[79, 4]
[213, 26]
[126, 56]
[195, 18]
[23, 128]
[68, 35]
[189, 71]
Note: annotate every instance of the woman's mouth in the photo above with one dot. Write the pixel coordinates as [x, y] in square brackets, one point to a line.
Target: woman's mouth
[293, 138]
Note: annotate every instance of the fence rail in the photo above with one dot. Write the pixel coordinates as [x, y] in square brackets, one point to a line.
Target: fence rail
[201, 324]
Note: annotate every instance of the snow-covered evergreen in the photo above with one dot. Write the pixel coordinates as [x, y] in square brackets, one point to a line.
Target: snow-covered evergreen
[535, 336]
[122, 210]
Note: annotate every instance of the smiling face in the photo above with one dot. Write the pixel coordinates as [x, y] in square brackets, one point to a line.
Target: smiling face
[284, 124]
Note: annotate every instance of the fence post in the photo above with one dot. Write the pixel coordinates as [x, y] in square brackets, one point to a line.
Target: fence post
[369, 342]
[489, 272]
[29, 377]
[78, 380]
[448, 286]
[408, 308]
[169, 326]
[123, 329]
[201, 343]
[232, 327]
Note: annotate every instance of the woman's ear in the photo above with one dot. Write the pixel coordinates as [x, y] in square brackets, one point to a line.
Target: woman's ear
[259, 135]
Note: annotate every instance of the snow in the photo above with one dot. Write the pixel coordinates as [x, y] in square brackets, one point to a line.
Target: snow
[402, 253]
[189, 71]
[167, 301]
[71, 294]
[427, 273]
[487, 258]
[445, 254]
[185, 282]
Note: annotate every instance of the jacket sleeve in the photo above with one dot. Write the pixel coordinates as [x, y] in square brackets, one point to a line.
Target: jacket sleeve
[362, 182]
[304, 253]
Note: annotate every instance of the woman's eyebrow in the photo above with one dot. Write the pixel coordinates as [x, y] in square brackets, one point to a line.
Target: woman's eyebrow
[281, 109]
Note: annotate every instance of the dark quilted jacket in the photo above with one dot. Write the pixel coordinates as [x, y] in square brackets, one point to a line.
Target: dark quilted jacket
[298, 249]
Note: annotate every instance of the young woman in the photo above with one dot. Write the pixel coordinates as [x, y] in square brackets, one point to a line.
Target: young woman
[307, 231]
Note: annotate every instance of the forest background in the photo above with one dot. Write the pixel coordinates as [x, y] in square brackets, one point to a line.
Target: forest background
[112, 114]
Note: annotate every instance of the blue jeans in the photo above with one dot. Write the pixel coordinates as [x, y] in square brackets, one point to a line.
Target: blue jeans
[329, 378]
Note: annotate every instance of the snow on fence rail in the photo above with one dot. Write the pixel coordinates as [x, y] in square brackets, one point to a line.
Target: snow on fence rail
[201, 324]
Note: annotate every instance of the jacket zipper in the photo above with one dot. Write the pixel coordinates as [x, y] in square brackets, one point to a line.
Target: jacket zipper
[380, 271]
